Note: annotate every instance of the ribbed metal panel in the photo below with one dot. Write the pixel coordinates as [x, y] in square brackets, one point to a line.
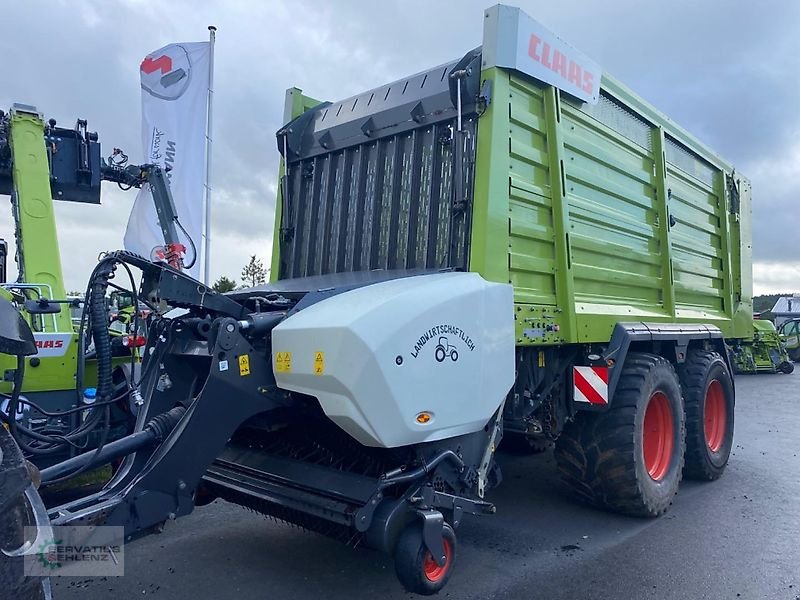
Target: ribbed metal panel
[621, 119]
[680, 156]
[384, 204]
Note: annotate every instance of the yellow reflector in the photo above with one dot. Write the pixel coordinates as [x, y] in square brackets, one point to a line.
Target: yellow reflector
[423, 417]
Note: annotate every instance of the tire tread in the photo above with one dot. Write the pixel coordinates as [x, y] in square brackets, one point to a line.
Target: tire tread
[594, 451]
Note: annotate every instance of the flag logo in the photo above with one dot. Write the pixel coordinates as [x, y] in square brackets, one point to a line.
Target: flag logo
[166, 73]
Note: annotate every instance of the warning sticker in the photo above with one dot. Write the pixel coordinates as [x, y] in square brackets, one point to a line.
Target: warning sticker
[319, 363]
[283, 362]
[244, 365]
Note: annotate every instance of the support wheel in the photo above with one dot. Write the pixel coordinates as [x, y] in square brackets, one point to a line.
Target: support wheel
[786, 367]
[709, 400]
[629, 459]
[416, 569]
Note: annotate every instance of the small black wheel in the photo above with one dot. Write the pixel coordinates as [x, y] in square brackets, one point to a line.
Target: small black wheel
[440, 354]
[786, 367]
[416, 569]
[454, 355]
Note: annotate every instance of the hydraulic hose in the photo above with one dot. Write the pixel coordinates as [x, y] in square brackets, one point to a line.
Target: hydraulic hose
[13, 403]
[154, 432]
[99, 328]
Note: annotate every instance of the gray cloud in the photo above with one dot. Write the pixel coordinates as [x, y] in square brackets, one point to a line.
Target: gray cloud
[725, 70]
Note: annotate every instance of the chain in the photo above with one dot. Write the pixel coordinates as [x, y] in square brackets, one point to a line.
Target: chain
[550, 420]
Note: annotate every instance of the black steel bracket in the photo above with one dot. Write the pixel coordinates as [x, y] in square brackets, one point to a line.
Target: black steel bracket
[153, 486]
[432, 525]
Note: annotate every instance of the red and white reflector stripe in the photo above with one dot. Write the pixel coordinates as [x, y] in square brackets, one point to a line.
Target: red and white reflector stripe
[590, 385]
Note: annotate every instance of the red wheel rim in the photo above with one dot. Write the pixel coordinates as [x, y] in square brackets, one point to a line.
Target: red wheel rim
[659, 434]
[716, 416]
[434, 572]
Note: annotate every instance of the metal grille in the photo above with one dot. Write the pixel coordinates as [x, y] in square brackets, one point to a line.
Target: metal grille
[629, 125]
[384, 204]
[681, 157]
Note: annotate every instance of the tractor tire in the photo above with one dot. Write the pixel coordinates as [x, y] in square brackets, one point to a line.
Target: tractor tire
[786, 367]
[15, 515]
[708, 398]
[414, 565]
[629, 459]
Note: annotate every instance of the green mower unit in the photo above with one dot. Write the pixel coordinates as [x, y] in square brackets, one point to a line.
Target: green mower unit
[766, 353]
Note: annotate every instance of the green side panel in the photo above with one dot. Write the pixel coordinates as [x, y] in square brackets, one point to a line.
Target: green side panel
[37, 242]
[518, 233]
[608, 212]
[51, 373]
[741, 247]
[296, 104]
[492, 227]
[614, 225]
[700, 263]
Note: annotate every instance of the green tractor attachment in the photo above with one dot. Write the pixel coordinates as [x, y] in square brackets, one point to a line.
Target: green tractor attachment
[765, 354]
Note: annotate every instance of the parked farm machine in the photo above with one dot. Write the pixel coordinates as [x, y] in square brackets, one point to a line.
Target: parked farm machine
[506, 245]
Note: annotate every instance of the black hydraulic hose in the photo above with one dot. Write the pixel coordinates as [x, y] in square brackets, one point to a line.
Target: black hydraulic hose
[70, 411]
[156, 430]
[13, 403]
[17, 431]
[99, 328]
[92, 457]
[191, 243]
[93, 319]
[51, 444]
[121, 447]
[400, 475]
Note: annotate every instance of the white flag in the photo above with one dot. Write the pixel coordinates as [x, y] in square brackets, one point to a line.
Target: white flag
[174, 103]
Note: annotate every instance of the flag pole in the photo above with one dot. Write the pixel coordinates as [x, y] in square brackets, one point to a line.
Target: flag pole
[207, 233]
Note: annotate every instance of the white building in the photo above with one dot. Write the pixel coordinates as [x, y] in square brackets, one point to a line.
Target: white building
[787, 307]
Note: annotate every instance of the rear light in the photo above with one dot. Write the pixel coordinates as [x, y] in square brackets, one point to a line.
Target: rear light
[134, 341]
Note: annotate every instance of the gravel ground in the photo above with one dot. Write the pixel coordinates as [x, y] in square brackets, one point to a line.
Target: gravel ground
[735, 538]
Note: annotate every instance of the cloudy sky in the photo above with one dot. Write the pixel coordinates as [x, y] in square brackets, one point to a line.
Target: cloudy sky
[727, 70]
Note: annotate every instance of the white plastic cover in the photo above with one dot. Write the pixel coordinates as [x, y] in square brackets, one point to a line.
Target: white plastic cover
[404, 361]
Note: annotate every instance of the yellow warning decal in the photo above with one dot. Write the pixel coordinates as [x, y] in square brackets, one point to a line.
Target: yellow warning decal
[283, 362]
[319, 363]
[244, 365]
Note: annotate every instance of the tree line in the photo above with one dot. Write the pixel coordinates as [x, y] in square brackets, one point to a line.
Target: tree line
[254, 273]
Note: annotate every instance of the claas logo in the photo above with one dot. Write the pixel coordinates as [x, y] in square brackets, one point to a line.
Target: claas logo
[44, 344]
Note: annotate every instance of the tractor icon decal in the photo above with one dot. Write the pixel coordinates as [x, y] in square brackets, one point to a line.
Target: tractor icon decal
[444, 349]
